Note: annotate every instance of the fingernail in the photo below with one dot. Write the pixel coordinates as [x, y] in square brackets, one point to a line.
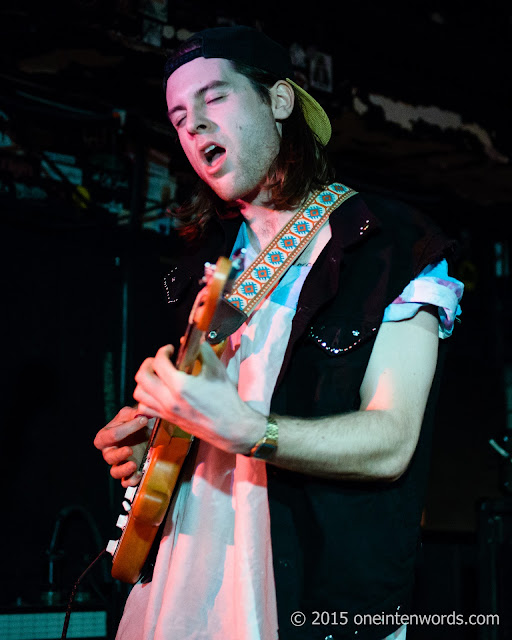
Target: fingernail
[142, 419]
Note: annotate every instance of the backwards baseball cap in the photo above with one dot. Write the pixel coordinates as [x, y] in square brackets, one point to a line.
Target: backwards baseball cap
[251, 47]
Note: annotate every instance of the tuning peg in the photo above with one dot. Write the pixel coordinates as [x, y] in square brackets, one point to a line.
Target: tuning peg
[238, 259]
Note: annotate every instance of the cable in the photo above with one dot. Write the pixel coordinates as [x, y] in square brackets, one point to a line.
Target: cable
[73, 593]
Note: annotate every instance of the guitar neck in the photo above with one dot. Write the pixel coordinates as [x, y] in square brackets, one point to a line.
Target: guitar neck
[145, 506]
[186, 361]
[189, 350]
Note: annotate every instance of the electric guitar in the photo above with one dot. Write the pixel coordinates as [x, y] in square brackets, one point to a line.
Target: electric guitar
[145, 505]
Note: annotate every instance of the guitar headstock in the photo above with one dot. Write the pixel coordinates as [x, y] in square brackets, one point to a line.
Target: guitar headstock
[218, 281]
[237, 267]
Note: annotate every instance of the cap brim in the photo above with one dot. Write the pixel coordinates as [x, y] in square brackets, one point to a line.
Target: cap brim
[315, 115]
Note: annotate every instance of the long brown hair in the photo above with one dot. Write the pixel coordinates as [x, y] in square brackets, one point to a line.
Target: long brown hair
[301, 166]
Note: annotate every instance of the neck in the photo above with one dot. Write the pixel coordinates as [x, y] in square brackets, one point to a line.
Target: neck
[263, 223]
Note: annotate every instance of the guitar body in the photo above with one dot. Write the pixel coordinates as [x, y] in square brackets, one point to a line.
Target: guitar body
[146, 504]
[150, 502]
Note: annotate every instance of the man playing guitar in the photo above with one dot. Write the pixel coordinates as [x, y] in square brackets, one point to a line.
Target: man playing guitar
[303, 490]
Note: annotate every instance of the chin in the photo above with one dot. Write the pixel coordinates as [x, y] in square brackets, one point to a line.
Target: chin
[227, 193]
[248, 192]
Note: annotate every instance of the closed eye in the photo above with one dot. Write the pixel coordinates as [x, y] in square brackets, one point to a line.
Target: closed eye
[177, 123]
[180, 121]
[216, 99]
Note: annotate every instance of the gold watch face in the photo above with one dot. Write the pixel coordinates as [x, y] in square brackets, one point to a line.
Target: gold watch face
[264, 449]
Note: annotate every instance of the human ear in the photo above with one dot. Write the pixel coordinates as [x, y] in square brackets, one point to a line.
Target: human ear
[282, 99]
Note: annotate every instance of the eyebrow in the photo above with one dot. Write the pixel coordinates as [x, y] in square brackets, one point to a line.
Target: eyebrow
[215, 84]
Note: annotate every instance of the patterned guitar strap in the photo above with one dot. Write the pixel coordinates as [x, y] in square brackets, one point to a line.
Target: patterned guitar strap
[260, 278]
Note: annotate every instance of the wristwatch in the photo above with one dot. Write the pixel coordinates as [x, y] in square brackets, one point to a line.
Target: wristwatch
[267, 445]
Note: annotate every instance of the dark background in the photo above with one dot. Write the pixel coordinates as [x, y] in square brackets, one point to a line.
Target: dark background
[420, 105]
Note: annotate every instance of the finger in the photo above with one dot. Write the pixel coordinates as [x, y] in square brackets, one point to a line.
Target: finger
[125, 414]
[156, 379]
[147, 402]
[165, 371]
[115, 432]
[112, 434]
[147, 375]
[211, 363]
[167, 351]
[155, 413]
[124, 429]
[117, 455]
[131, 481]
[120, 471]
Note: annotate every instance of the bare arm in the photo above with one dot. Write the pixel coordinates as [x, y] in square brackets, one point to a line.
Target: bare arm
[375, 442]
[378, 440]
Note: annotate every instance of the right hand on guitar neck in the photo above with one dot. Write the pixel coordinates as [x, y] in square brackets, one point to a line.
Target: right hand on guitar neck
[122, 443]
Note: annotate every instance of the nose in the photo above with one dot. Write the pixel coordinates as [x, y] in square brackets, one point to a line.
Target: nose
[197, 122]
